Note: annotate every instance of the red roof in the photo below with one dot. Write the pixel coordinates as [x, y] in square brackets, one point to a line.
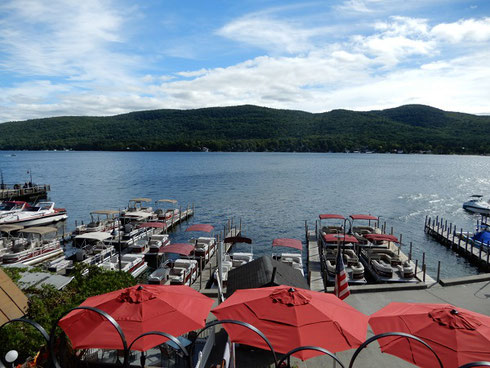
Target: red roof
[159, 225]
[200, 227]
[290, 243]
[178, 248]
[381, 237]
[334, 238]
[363, 217]
[331, 216]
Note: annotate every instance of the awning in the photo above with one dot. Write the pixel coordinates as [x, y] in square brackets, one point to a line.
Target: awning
[286, 242]
[156, 225]
[200, 227]
[140, 200]
[334, 238]
[331, 216]
[178, 248]
[363, 217]
[10, 228]
[41, 230]
[94, 235]
[238, 239]
[105, 212]
[167, 200]
[381, 237]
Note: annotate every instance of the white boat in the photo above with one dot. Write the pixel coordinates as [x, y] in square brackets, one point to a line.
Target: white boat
[41, 214]
[35, 247]
[108, 222]
[204, 247]
[9, 207]
[9, 237]
[91, 249]
[137, 211]
[476, 204]
[131, 263]
[295, 260]
[159, 276]
[165, 214]
[183, 272]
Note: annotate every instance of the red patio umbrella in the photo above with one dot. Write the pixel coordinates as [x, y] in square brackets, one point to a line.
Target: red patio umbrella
[174, 309]
[457, 335]
[293, 317]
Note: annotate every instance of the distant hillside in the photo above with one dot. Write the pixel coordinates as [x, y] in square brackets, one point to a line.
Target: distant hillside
[410, 128]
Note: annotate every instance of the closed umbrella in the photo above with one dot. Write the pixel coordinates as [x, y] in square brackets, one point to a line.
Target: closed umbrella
[293, 317]
[174, 309]
[457, 335]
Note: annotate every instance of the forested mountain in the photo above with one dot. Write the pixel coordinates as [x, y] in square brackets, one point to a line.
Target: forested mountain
[411, 128]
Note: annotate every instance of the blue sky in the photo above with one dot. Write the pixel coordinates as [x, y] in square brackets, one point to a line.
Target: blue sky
[105, 57]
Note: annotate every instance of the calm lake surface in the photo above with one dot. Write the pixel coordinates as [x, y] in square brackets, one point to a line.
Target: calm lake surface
[272, 193]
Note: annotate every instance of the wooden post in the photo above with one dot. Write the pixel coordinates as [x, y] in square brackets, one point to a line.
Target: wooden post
[384, 227]
[467, 238]
[200, 273]
[410, 254]
[391, 232]
[425, 222]
[232, 222]
[423, 259]
[416, 266]
[479, 254]
[438, 270]
[423, 269]
[460, 236]
[240, 225]
[210, 272]
[400, 244]
[471, 255]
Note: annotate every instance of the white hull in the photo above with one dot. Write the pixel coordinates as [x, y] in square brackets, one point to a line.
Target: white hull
[477, 209]
[37, 220]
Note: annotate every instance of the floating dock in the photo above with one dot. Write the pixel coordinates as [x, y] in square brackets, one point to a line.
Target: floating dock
[459, 241]
[22, 192]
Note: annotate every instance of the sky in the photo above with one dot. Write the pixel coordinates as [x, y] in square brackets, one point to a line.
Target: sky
[107, 57]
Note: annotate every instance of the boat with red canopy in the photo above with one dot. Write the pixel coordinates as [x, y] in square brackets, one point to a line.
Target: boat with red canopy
[295, 260]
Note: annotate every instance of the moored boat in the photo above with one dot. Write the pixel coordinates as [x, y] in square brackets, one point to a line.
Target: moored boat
[107, 223]
[41, 214]
[476, 204]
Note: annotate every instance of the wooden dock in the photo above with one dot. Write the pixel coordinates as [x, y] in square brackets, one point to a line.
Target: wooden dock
[183, 215]
[459, 241]
[21, 192]
[314, 267]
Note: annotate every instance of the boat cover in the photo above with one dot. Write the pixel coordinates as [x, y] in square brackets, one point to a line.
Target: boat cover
[178, 248]
[363, 217]
[155, 224]
[286, 242]
[334, 238]
[382, 237]
[331, 216]
[200, 227]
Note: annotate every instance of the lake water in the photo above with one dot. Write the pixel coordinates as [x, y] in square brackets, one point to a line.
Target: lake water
[272, 193]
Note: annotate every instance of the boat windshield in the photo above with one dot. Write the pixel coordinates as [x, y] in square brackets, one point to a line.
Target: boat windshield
[7, 206]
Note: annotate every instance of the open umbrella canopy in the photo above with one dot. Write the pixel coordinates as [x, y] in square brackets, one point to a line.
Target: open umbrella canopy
[292, 317]
[174, 309]
[457, 335]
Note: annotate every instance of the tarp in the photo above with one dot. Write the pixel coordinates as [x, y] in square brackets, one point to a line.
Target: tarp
[331, 216]
[156, 225]
[382, 237]
[286, 242]
[200, 227]
[334, 238]
[95, 235]
[363, 217]
[178, 248]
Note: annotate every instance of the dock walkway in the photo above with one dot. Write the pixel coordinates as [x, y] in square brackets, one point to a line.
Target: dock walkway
[458, 241]
[19, 192]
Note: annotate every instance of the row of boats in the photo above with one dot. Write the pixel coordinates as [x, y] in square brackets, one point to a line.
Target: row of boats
[364, 249]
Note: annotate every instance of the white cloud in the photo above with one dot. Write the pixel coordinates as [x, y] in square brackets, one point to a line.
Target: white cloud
[467, 30]
[271, 34]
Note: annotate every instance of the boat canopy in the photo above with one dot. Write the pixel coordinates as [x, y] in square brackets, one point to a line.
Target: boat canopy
[10, 228]
[363, 217]
[94, 235]
[477, 196]
[201, 227]
[381, 237]
[286, 242]
[105, 212]
[168, 200]
[238, 239]
[334, 238]
[41, 230]
[155, 224]
[143, 199]
[331, 216]
[178, 248]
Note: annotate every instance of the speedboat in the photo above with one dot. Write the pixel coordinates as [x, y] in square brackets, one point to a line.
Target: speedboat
[41, 214]
[476, 204]
[481, 237]
[9, 207]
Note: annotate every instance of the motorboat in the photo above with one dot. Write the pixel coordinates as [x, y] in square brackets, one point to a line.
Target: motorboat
[295, 260]
[137, 211]
[382, 258]
[38, 244]
[481, 237]
[90, 249]
[183, 271]
[166, 214]
[41, 214]
[157, 241]
[108, 222]
[159, 276]
[476, 204]
[9, 207]
[360, 230]
[9, 238]
[204, 247]
[131, 263]
[333, 238]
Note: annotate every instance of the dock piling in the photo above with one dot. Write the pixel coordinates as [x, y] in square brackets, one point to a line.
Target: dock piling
[438, 270]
